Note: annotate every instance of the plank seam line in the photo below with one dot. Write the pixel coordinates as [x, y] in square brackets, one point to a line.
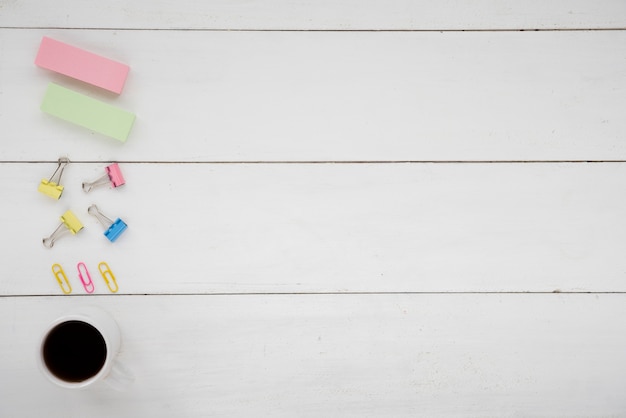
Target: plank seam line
[326, 294]
[278, 162]
[572, 29]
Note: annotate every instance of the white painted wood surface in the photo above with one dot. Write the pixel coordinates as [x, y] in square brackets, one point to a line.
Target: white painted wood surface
[317, 14]
[336, 355]
[282, 287]
[231, 228]
[277, 96]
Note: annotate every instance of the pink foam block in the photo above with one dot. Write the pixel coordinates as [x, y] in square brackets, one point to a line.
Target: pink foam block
[81, 65]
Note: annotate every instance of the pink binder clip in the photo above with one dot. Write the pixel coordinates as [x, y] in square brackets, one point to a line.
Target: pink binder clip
[113, 176]
[88, 283]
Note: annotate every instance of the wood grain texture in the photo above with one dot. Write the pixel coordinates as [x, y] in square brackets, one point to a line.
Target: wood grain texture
[281, 284]
[335, 355]
[276, 96]
[241, 228]
[317, 14]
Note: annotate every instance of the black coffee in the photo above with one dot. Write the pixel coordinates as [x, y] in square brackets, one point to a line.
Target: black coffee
[74, 351]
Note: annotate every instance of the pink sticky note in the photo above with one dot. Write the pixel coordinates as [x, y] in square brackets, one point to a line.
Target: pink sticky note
[81, 65]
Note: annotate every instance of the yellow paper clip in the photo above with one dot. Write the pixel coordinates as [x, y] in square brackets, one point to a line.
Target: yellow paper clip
[107, 274]
[69, 223]
[52, 186]
[59, 274]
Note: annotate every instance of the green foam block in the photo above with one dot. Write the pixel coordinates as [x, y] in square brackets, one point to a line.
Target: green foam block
[87, 112]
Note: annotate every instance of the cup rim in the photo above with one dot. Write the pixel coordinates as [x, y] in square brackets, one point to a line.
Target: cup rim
[104, 370]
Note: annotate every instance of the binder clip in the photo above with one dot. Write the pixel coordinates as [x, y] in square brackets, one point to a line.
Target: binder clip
[70, 223]
[114, 229]
[113, 176]
[52, 186]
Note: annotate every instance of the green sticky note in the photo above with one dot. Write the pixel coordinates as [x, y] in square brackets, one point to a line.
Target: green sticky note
[87, 112]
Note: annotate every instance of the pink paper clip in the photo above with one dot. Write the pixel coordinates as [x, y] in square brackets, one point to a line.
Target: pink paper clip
[88, 285]
[113, 176]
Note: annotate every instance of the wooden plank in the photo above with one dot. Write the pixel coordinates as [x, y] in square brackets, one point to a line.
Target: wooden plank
[335, 355]
[232, 228]
[318, 14]
[218, 96]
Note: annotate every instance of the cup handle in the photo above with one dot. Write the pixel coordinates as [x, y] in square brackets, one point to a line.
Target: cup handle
[120, 377]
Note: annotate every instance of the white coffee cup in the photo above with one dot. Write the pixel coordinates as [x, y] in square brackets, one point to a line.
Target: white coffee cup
[80, 348]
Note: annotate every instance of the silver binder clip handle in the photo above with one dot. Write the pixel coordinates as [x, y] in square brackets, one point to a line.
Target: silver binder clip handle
[62, 163]
[59, 232]
[93, 210]
[88, 185]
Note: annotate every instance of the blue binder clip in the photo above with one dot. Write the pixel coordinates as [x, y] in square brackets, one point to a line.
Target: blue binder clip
[114, 229]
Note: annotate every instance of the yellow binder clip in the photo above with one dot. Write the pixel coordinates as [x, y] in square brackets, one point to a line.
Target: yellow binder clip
[70, 223]
[52, 186]
[59, 274]
[108, 276]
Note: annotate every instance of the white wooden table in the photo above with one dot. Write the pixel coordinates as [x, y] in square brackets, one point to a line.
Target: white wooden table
[336, 208]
